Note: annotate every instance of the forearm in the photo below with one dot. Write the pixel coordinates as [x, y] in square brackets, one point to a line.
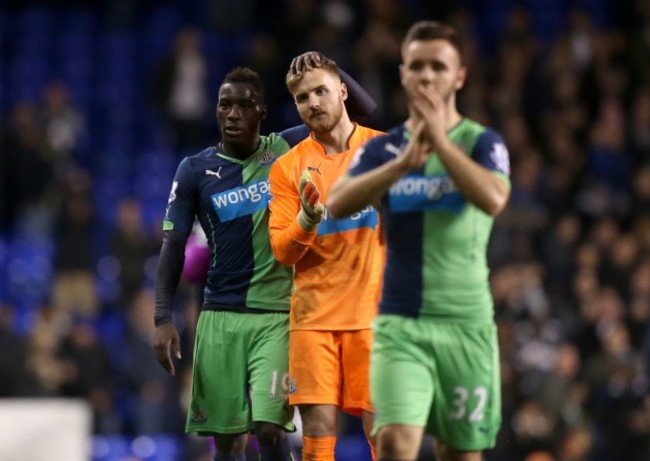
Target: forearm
[359, 104]
[168, 274]
[351, 194]
[291, 243]
[477, 184]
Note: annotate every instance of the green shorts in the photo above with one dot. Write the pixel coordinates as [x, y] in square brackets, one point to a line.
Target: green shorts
[443, 376]
[240, 374]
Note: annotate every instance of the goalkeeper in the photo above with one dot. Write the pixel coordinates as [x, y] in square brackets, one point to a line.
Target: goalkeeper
[337, 263]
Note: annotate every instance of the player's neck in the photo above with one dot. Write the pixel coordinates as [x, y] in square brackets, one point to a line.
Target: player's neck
[241, 152]
[453, 119]
[336, 140]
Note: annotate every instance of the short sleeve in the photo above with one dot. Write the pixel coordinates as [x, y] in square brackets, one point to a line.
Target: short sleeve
[491, 152]
[183, 199]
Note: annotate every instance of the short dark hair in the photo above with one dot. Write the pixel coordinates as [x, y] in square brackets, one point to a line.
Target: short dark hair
[433, 30]
[246, 75]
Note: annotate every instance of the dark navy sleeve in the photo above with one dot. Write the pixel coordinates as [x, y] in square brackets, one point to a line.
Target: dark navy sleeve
[359, 104]
[369, 156]
[183, 199]
[295, 134]
[491, 152]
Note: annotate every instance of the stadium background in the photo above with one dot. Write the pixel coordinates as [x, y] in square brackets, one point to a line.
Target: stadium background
[92, 128]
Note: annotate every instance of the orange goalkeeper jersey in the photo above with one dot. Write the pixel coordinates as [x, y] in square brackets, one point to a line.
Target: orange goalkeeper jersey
[338, 266]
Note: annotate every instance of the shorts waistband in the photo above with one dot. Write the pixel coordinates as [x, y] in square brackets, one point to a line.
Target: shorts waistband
[240, 309]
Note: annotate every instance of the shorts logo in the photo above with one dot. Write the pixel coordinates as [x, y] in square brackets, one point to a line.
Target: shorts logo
[266, 158]
[290, 385]
[198, 415]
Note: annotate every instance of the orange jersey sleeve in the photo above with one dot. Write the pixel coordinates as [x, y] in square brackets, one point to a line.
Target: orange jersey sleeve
[338, 267]
[288, 240]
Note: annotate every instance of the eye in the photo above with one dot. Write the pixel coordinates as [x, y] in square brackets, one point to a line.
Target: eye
[321, 91]
[301, 98]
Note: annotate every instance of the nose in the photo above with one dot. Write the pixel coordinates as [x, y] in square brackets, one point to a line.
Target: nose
[234, 112]
[428, 76]
[314, 101]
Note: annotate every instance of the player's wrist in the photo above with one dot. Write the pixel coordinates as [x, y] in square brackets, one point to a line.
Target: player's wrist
[307, 222]
[159, 321]
[399, 167]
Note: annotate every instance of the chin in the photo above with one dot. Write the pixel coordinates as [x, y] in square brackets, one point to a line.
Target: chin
[320, 126]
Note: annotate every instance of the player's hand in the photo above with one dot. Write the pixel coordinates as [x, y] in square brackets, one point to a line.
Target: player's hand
[305, 62]
[430, 106]
[417, 150]
[311, 209]
[167, 343]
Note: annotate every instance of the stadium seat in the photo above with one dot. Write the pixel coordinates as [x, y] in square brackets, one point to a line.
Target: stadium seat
[34, 20]
[352, 448]
[110, 448]
[156, 448]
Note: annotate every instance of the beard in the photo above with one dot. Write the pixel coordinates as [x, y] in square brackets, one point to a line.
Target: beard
[326, 121]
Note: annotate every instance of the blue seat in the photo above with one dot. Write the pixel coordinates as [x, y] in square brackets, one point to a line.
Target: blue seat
[117, 45]
[29, 69]
[352, 448]
[160, 162]
[164, 19]
[34, 19]
[109, 448]
[30, 271]
[80, 20]
[75, 46]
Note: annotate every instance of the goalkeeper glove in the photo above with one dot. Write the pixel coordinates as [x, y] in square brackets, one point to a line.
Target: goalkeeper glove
[311, 210]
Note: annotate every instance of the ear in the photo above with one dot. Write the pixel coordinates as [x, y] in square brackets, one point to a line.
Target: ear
[263, 112]
[401, 73]
[460, 78]
[344, 91]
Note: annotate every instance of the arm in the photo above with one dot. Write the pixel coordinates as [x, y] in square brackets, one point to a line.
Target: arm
[478, 184]
[181, 210]
[359, 104]
[289, 241]
[352, 193]
[295, 134]
[168, 273]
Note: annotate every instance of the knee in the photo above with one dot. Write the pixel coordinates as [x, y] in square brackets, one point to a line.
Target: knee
[230, 444]
[269, 434]
[447, 453]
[318, 420]
[398, 443]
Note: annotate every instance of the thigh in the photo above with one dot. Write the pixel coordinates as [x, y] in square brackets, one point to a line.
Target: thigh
[314, 368]
[355, 357]
[401, 376]
[268, 367]
[466, 413]
[219, 399]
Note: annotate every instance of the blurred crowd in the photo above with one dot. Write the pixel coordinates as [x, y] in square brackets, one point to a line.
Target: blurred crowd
[567, 83]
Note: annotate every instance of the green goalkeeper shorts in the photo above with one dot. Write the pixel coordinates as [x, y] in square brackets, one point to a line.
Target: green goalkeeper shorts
[240, 373]
[443, 376]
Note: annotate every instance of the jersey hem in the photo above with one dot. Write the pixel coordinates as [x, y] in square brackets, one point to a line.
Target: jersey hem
[330, 328]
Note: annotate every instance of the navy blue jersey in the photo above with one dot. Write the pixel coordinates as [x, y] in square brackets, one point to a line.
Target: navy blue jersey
[230, 199]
